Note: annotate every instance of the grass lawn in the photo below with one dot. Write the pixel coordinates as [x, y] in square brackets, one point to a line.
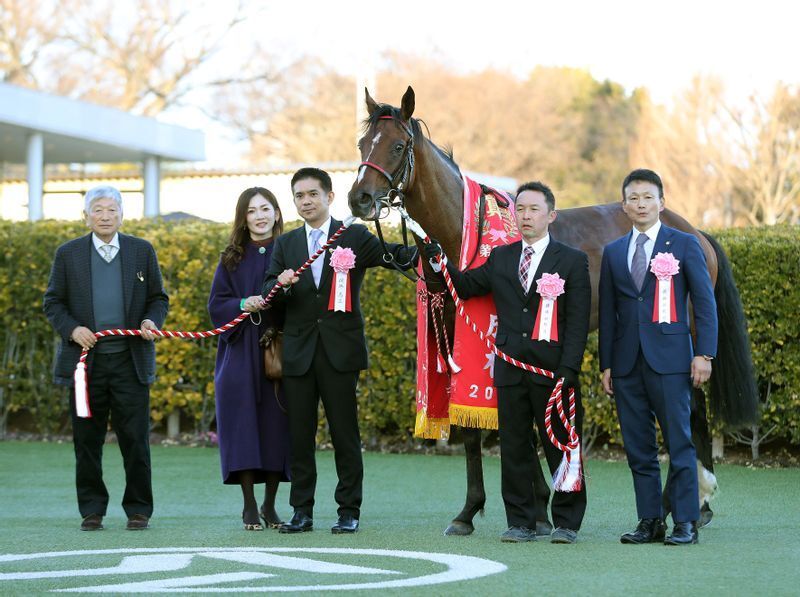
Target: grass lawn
[752, 546]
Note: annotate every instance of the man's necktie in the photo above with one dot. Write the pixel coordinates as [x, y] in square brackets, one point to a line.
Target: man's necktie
[316, 267]
[107, 255]
[524, 266]
[639, 263]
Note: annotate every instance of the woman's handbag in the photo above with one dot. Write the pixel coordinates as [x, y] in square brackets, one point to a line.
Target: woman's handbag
[272, 341]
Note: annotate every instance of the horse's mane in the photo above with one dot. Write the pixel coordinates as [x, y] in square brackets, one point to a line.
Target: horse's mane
[416, 129]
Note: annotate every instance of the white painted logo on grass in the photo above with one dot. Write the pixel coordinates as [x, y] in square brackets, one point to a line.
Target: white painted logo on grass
[247, 569]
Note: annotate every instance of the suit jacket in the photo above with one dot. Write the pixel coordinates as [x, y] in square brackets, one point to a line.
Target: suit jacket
[626, 314]
[68, 301]
[308, 319]
[516, 309]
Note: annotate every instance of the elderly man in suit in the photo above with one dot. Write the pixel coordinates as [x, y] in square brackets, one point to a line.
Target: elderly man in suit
[108, 280]
[324, 346]
[647, 358]
[509, 274]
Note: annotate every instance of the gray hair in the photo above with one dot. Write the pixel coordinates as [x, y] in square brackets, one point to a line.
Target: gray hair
[101, 192]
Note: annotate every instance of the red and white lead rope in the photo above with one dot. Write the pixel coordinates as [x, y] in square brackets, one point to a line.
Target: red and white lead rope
[81, 383]
[568, 476]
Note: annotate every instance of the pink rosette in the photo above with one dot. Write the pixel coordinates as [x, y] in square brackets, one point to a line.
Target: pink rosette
[664, 266]
[343, 259]
[550, 286]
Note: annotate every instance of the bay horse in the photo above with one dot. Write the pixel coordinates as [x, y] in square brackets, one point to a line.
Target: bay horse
[401, 164]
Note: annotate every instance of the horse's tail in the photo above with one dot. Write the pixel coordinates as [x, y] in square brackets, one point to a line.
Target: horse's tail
[734, 395]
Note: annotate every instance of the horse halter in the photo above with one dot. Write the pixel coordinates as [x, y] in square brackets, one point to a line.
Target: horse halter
[398, 181]
[395, 196]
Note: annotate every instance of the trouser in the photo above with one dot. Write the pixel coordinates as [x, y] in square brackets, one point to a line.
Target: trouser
[643, 396]
[337, 390]
[518, 407]
[116, 392]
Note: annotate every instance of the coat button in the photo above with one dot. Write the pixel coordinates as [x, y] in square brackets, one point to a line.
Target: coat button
[524, 334]
[319, 321]
[640, 299]
[525, 310]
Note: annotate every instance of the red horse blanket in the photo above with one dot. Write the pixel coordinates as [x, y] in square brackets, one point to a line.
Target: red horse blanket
[463, 395]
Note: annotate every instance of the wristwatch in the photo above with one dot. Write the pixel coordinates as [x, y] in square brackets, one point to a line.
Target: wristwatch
[706, 357]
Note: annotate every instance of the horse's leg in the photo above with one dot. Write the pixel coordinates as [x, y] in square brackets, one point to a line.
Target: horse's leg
[701, 437]
[476, 495]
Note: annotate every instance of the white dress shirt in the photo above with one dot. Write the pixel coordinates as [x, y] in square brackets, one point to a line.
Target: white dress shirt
[652, 234]
[316, 267]
[538, 251]
[99, 244]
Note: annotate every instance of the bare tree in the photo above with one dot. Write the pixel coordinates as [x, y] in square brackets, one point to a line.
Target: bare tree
[689, 147]
[27, 30]
[768, 135]
[142, 57]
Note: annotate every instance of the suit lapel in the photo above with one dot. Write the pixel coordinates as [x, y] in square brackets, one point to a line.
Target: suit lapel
[547, 264]
[83, 265]
[326, 268]
[622, 258]
[662, 245]
[513, 264]
[127, 254]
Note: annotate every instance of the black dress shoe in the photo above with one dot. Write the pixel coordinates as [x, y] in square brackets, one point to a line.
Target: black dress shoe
[683, 533]
[649, 530]
[345, 524]
[92, 522]
[137, 522]
[300, 523]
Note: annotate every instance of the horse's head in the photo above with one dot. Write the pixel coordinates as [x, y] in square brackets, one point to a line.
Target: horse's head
[387, 157]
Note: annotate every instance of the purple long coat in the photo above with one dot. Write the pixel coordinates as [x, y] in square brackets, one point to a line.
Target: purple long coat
[252, 425]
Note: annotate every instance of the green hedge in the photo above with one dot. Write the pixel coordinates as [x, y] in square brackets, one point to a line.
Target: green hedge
[766, 262]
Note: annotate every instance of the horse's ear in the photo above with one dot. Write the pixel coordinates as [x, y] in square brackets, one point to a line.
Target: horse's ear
[372, 105]
[407, 105]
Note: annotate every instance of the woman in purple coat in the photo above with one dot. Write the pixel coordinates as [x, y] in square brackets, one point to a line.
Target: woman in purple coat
[252, 424]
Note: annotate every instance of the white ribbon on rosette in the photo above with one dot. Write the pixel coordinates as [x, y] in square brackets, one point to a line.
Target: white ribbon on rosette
[664, 266]
[549, 287]
[342, 261]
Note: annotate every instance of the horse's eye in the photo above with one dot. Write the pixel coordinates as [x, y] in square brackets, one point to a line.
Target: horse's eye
[399, 147]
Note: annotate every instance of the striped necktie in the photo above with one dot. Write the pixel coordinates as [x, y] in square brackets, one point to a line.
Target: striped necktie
[524, 266]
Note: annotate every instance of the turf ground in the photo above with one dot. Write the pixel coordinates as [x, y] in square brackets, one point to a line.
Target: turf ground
[196, 541]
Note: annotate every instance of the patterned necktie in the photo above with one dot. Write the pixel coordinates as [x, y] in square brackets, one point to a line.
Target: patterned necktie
[316, 267]
[107, 253]
[524, 266]
[639, 263]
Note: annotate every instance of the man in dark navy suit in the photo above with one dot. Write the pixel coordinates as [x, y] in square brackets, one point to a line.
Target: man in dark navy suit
[324, 349]
[108, 280]
[647, 357]
[511, 274]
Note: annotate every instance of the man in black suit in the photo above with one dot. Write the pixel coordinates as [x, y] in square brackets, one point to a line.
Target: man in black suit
[509, 274]
[108, 280]
[324, 349]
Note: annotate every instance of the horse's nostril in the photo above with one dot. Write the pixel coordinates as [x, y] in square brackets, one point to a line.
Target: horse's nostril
[365, 199]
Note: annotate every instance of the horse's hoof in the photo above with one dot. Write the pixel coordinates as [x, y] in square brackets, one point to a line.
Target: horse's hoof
[459, 529]
[706, 514]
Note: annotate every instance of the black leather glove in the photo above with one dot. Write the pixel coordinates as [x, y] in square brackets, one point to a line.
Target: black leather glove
[570, 377]
[432, 250]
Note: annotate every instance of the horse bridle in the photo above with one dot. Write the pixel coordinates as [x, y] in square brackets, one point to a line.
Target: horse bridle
[395, 196]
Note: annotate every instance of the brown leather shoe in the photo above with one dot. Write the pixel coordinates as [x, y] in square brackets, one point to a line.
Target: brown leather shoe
[92, 522]
[138, 522]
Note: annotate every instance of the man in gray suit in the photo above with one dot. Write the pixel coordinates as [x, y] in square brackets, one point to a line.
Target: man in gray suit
[107, 280]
